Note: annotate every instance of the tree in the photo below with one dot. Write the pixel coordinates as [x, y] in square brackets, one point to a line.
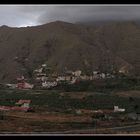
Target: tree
[1, 115]
[136, 107]
[131, 99]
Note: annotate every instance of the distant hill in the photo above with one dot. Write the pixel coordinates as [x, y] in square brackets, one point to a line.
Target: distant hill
[66, 46]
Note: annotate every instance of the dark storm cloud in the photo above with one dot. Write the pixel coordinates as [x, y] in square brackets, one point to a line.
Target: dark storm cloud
[90, 13]
[20, 15]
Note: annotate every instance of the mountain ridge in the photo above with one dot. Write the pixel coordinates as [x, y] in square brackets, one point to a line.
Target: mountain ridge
[64, 45]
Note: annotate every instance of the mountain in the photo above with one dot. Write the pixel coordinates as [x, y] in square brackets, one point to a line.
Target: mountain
[66, 46]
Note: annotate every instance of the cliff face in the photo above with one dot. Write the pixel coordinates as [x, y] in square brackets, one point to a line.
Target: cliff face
[68, 46]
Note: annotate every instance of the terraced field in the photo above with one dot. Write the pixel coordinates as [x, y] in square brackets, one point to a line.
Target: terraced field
[53, 100]
[55, 111]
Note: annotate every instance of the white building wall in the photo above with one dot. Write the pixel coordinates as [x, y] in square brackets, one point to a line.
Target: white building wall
[25, 105]
[117, 109]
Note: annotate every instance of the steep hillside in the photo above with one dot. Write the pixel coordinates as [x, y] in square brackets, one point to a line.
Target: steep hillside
[68, 46]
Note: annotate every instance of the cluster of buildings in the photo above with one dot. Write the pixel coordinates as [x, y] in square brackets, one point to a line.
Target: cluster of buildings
[21, 84]
[43, 77]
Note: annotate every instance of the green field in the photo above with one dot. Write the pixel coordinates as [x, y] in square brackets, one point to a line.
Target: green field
[53, 100]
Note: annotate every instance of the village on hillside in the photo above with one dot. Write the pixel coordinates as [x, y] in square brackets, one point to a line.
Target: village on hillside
[43, 78]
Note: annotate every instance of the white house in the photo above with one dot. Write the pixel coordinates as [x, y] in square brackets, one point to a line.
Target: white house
[60, 78]
[95, 72]
[12, 86]
[117, 109]
[77, 73]
[44, 65]
[125, 69]
[44, 78]
[73, 80]
[41, 74]
[39, 70]
[102, 75]
[49, 84]
[24, 103]
[20, 78]
[38, 78]
[28, 86]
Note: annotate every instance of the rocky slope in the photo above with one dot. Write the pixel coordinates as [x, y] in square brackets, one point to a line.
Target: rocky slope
[66, 46]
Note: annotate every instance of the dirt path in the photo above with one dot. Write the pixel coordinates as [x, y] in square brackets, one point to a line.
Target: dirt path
[114, 130]
[51, 117]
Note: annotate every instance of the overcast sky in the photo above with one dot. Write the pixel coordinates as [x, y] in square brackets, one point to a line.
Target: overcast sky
[31, 15]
